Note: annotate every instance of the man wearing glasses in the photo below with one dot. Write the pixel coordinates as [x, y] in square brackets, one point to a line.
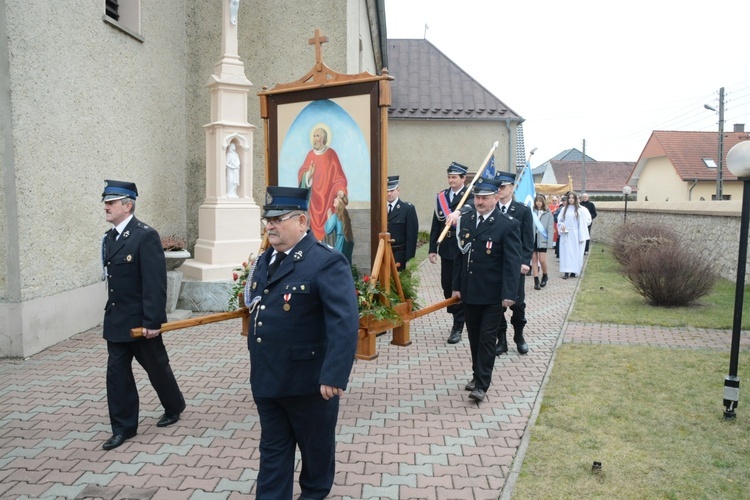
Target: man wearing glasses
[302, 340]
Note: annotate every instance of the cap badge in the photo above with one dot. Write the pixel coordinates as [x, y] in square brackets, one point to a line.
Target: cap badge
[269, 198]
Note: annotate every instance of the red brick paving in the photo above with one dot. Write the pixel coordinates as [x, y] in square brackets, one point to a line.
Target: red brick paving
[406, 428]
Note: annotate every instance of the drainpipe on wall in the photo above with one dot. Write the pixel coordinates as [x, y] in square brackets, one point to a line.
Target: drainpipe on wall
[511, 163]
[690, 193]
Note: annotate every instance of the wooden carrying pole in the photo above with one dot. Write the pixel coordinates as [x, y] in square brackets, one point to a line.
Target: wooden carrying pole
[200, 320]
[468, 190]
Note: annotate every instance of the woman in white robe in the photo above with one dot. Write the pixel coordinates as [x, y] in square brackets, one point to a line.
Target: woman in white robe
[572, 225]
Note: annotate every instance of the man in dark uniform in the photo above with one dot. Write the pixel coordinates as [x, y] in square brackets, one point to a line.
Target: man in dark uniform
[591, 207]
[522, 213]
[446, 202]
[136, 274]
[302, 340]
[403, 225]
[485, 277]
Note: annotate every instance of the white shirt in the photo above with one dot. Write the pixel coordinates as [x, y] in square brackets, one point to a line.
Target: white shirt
[121, 226]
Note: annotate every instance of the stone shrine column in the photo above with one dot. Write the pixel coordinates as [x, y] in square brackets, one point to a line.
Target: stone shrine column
[229, 218]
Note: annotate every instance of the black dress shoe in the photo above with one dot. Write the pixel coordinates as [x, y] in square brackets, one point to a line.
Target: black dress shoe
[471, 385]
[167, 420]
[572, 275]
[521, 344]
[477, 395]
[455, 337]
[501, 348]
[115, 441]
[566, 276]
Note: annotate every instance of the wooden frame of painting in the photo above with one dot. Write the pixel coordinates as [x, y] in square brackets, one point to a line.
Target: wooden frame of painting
[333, 139]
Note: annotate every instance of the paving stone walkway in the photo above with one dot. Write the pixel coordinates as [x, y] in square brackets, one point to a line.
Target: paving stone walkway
[406, 430]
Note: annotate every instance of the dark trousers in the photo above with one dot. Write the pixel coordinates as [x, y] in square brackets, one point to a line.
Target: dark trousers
[481, 324]
[518, 318]
[446, 281]
[122, 391]
[588, 241]
[285, 423]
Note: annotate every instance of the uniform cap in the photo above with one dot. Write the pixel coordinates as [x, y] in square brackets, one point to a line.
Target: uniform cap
[505, 178]
[485, 186]
[392, 182]
[117, 190]
[457, 168]
[281, 200]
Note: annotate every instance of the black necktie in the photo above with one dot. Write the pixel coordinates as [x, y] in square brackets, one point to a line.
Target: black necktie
[503, 209]
[113, 235]
[390, 207]
[481, 219]
[273, 266]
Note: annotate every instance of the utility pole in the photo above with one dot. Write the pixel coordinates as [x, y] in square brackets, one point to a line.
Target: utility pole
[583, 180]
[720, 172]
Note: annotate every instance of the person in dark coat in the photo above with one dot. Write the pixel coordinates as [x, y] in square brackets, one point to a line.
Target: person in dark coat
[485, 277]
[445, 203]
[302, 339]
[592, 210]
[509, 206]
[136, 274]
[403, 225]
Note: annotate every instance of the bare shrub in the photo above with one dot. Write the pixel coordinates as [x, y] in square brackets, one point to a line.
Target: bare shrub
[670, 275]
[634, 239]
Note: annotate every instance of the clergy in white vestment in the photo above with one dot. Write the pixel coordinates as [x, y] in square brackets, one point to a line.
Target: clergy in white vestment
[572, 226]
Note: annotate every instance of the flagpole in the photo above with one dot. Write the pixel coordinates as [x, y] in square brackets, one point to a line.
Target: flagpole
[468, 191]
[528, 164]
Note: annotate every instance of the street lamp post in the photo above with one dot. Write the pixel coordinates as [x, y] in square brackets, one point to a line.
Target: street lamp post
[738, 162]
[626, 191]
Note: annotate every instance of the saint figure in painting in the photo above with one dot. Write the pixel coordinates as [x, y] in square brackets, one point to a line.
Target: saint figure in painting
[322, 173]
[339, 225]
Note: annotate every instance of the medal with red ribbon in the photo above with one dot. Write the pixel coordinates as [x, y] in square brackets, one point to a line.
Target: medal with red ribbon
[489, 247]
[286, 305]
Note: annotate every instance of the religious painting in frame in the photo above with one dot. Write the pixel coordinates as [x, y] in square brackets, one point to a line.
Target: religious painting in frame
[328, 139]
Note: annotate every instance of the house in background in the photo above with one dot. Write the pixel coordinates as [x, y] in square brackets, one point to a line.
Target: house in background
[440, 114]
[602, 178]
[682, 166]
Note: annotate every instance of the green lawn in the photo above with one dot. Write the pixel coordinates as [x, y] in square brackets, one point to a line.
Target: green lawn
[653, 417]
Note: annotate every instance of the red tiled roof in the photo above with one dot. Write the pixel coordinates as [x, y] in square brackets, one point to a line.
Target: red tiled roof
[430, 86]
[601, 176]
[686, 151]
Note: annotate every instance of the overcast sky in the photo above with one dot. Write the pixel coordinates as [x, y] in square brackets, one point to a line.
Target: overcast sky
[606, 72]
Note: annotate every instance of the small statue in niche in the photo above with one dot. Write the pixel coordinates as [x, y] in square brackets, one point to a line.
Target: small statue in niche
[233, 171]
[234, 6]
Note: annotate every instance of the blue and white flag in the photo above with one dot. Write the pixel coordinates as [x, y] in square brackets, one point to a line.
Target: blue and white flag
[526, 192]
[489, 170]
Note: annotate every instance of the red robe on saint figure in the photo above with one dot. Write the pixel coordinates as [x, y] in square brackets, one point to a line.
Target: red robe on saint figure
[328, 179]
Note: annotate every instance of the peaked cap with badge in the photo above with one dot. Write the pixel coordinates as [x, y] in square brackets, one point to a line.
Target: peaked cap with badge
[281, 200]
[457, 168]
[117, 190]
[505, 178]
[392, 182]
[485, 186]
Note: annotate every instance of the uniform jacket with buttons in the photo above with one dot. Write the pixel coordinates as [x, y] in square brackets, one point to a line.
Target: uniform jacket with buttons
[488, 271]
[447, 248]
[312, 342]
[523, 214]
[136, 282]
[403, 226]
